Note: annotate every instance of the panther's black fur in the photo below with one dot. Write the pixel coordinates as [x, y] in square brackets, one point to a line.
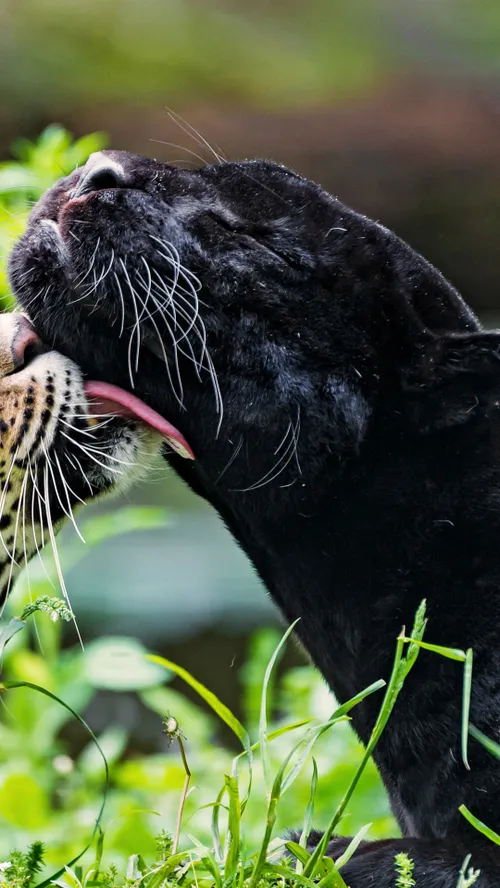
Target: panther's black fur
[357, 458]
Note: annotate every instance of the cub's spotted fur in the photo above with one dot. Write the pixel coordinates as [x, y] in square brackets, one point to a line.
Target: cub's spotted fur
[54, 454]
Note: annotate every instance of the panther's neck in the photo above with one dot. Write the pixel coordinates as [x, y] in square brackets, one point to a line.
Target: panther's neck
[355, 564]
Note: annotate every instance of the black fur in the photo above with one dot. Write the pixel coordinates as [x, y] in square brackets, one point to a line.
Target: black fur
[334, 343]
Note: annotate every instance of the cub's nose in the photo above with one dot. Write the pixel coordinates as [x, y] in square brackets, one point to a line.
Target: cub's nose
[100, 173]
[25, 343]
[19, 343]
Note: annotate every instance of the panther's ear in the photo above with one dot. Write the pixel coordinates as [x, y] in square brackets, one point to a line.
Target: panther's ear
[450, 377]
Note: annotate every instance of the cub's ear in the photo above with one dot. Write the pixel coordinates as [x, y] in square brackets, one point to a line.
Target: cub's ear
[451, 377]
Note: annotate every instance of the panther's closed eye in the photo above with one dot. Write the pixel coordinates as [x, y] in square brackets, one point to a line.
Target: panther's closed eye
[253, 235]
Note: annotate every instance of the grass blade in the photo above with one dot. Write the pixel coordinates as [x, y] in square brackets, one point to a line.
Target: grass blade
[490, 745]
[305, 745]
[308, 817]
[450, 653]
[352, 846]
[467, 689]
[11, 685]
[209, 697]
[401, 667]
[215, 826]
[234, 822]
[263, 737]
[300, 853]
[479, 825]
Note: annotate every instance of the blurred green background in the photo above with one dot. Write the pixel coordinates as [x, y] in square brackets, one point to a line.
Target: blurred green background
[393, 105]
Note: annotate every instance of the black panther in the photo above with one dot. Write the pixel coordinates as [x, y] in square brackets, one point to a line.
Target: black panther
[342, 403]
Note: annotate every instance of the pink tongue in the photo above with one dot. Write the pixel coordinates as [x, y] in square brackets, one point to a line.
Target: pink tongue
[118, 402]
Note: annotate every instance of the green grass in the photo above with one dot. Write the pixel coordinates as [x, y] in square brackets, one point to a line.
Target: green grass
[223, 823]
[51, 794]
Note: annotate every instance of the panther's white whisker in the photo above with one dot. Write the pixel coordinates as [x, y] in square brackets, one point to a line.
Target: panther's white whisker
[172, 308]
[296, 435]
[173, 251]
[181, 148]
[191, 355]
[122, 302]
[193, 133]
[178, 397]
[281, 464]
[79, 280]
[231, 459]
[96, 282]
[210, 368]
[136, 329]
[175, 304]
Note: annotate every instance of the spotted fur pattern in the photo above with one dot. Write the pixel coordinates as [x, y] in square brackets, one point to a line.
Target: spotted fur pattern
[54, 455]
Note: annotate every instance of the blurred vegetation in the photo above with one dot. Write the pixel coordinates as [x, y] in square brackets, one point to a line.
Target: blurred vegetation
[51, 791]
[195, 814]
[57, 53]
[34, 168]
[165, 50]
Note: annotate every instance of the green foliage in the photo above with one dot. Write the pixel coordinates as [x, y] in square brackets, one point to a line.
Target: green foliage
[404, 868]
[50, 793]
[35, 167]
[24, 867]
[222, 814]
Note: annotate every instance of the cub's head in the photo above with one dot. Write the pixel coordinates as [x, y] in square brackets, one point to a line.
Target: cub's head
[283, 334]
[59, 444]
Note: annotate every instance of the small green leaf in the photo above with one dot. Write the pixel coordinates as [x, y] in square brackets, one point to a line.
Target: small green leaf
[450, 653]
[298, 851]
[120, 664]
[7, 631]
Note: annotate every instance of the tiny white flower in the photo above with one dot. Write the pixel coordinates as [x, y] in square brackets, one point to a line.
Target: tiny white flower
[5, 866]
[54, 616]
[63, 764]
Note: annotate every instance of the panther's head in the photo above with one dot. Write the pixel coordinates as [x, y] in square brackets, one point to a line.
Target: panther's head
[288, 337]
[58, 447]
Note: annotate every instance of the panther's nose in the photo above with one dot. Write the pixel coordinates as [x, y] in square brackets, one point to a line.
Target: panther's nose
[100, 173]
[25, 342]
